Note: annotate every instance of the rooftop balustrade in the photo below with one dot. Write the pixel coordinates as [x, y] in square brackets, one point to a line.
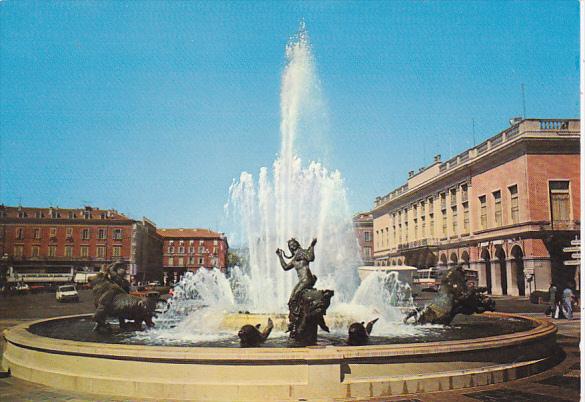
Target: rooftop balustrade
[528, 127]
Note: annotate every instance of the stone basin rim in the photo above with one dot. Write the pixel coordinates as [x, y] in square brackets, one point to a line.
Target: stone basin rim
[21, 337]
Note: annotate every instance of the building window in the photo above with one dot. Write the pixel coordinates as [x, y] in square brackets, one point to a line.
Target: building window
[52, 251]
[431, 224]
[84, 251]
[102, 233]
[367, 236]
[215, 248]
[367, 252]
[87, 215]
[180, 261]
[171, 261]
[483, 212]
[18, 251]
[71, 215]
[215, 242]
[68, 251]
[560, 201]
[191, 260]
[201, 261]
[406, 232]
[453, 196]
[443, 201]
[35, 251]
[444, 222]
[117, 234]
[117, 251]
[415, 228]
[20, 234]
[201, 250]
[464, 193]
[37, 233]
[454, 219]
[171, 250]
[22, 214]
[191, 249]
[201, 242]
[101, 251]
[181, 250]
[39, 215]
[55, 214]
[514, 211]
[423, 227]
[466, 217]
[497, 208]
[69, 233]
[53, 232]
[85, 234]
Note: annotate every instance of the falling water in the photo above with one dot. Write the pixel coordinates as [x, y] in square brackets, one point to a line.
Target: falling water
[300, 200]
[294, 199]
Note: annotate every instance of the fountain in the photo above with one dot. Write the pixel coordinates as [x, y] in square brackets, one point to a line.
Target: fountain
[194, 351]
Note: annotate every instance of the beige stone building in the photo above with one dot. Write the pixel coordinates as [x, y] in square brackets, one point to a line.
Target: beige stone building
[505, 209]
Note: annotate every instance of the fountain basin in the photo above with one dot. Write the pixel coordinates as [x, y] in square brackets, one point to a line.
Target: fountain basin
[310, 373]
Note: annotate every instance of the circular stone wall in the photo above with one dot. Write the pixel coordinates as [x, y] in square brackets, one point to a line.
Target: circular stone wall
[224, 374]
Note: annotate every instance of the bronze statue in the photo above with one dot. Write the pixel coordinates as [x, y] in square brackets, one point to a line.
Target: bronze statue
[112, 301]
[251, 336]
[454, 297]
[307, 306]
[117, 274]
[358, 334]
[299, 260]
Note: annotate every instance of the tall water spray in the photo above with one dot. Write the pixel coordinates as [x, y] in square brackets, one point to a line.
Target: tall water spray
[300, 200]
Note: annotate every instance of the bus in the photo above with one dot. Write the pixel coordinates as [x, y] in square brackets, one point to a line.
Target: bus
[427, 280]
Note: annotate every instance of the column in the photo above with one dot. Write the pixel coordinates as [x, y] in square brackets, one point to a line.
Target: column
[479, 266]
[512, 272]
[496, 277]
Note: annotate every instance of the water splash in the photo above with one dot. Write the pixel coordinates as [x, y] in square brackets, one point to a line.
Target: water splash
[298, 200]
[301, 200]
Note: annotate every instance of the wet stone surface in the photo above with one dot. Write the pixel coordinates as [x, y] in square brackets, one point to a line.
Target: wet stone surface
[463, 327]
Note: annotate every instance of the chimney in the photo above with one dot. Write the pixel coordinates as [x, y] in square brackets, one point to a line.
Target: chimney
[437, 158]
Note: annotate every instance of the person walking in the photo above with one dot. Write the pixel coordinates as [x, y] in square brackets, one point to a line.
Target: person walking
[568, 303]
[552, 300]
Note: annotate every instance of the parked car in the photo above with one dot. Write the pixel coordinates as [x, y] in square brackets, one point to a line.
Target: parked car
[66, 293]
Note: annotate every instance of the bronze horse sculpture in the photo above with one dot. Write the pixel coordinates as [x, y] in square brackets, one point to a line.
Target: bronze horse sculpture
[454, 297]
[111, 300]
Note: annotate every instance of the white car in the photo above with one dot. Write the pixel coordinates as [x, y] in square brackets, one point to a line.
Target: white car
[67, 292]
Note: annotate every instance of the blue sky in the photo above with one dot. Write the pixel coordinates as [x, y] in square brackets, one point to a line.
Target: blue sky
[153, 108]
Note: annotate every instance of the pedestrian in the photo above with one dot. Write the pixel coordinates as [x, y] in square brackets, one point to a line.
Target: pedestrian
[568, 303]
[552, 300]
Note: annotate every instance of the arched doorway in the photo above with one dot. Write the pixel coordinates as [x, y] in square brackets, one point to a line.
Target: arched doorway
[465, 259]
[453, 259]
[431, 260]
[501, 256]
[443, 260]
[485, 256]
[518, 269]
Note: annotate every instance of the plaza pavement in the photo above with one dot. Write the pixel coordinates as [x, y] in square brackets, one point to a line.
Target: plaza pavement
[558, 384]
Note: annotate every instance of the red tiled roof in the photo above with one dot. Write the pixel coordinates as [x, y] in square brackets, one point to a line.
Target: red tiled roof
[189, 233]
[62, 213]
